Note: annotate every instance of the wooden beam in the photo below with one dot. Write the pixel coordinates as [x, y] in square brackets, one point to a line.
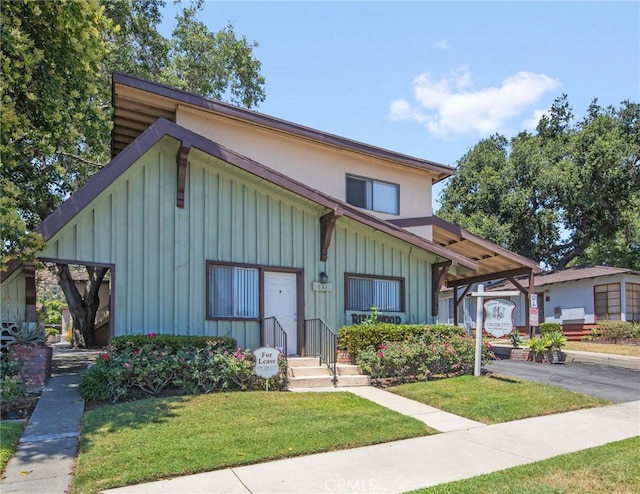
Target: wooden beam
[181, 161]
[438, 273]
[457, 300]
[30, 295]
[327, 223]
[488, 277]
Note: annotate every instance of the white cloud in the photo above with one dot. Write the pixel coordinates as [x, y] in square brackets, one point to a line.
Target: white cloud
[451, 105]
[443, 44]
[532, 123]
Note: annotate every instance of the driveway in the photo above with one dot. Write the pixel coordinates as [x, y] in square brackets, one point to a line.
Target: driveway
[613, 383]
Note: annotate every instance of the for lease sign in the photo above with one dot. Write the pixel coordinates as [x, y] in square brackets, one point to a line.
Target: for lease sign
[267, 362]
[498, 317]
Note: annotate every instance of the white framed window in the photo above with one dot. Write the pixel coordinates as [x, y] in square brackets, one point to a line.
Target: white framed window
[233, 292]
[375, 195]
[363, 292]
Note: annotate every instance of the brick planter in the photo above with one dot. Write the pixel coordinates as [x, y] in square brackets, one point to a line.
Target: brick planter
[519, 354]
[344, 357]
[36, 362]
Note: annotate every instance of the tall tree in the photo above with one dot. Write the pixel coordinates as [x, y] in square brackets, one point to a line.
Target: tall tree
[565, 194]
[56, 60]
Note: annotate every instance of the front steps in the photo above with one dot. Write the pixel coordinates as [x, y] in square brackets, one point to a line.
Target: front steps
[309, 372]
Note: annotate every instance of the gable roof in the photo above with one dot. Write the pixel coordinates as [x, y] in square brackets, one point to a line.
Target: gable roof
[138, 103]
[161, 128]
[572, 274]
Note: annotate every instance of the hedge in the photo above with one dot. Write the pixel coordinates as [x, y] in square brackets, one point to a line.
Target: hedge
[359, 337]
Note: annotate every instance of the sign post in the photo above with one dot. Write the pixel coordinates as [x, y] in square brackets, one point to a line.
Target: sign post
[267, 362]
[480, 309]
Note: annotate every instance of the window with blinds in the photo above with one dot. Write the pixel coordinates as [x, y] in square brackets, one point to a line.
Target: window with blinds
[607, 302]
[233, 292]
[365, 292]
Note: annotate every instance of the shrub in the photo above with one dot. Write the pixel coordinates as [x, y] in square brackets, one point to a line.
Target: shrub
[617, 330]
[358, 337]
[12, 385]
[421, 358]
[549, 327]
[540, 345]
[157, 363]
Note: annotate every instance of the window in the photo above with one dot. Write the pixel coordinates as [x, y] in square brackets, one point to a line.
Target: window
[386, 294]
[233, 292]
[632, 297]
[370, 194]
[607, 302]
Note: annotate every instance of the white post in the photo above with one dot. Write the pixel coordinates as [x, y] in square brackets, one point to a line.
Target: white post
[479, 325]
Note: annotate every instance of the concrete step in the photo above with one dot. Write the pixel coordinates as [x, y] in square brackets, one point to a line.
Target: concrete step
[311, 382]
[348, 370]
[353, 380]
[303, 361]
[319, 371]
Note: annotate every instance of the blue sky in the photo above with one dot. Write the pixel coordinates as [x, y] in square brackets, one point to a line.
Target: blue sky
[430, 79]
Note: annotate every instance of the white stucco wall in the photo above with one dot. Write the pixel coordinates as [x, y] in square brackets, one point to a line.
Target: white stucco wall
[321, 167]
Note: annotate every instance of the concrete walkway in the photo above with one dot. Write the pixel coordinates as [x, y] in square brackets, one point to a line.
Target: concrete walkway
[46, 454]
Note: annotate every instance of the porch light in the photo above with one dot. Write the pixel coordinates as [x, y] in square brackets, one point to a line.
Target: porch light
[324, 278]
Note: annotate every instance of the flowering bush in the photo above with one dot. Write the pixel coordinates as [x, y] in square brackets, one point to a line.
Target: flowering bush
[421, 357]
[152, 366]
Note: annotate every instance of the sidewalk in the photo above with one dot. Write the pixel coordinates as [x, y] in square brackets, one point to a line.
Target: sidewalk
[46, 455]
[413, 463]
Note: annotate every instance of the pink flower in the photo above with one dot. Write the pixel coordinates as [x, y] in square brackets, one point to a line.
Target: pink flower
[126, 365]
[381, 354]
[151, 335]
[382, 346]
[105, 357]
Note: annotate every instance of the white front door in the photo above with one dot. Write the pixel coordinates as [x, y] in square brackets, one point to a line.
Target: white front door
[280, 301]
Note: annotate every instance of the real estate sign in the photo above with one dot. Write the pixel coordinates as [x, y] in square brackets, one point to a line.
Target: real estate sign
[267, 362]
[498, 317]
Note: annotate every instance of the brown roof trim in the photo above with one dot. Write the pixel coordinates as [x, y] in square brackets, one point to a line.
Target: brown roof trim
[443, 171]
[11, 267]
[107, 175]
[466, 235]
[575, 273]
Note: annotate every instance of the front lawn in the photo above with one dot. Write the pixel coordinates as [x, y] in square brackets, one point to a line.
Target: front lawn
[157, 438]
[612, 468]
[495, 399]
[611, 348]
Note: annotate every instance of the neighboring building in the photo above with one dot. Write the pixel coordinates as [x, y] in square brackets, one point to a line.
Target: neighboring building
[214, 219]
[578, 298]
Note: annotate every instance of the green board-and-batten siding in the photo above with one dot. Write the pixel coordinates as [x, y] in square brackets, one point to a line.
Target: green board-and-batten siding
[160, 251]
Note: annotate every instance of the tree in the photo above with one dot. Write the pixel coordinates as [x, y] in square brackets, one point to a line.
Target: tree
[568, 193]
[56, 60]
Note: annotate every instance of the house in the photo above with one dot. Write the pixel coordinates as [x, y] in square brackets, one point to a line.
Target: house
[578, 298]
[217, 220]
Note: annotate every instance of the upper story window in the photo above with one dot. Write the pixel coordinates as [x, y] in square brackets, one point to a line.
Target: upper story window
[607, 302]
[383, 197]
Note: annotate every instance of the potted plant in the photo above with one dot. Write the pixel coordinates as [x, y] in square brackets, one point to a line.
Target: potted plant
[517, 353]
[29, 348]
[538, 349]
[557, 341]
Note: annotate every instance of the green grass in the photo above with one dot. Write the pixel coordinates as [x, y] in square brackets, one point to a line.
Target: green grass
[612, 468]
[10, 433]
[156, 438]
[495, 399]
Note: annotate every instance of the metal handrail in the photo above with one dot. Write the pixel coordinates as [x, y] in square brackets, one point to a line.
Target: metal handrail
[273, 335]
[321, 341]
[102, 315]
